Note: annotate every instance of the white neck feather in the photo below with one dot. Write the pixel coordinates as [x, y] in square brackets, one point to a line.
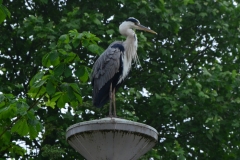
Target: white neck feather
[130, 46]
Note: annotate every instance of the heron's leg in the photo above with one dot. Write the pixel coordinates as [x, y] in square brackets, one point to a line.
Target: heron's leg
[110, 98]
[114, 104]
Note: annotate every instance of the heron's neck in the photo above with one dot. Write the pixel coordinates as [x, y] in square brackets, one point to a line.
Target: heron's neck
[130, 45]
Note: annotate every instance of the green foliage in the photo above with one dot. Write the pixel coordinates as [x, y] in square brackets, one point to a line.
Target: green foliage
[189, 72]
[16, 117]
[4, 12]
[52, 152]
[60, 63]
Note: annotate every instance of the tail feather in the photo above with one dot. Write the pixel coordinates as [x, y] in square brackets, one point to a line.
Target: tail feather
[101, 97]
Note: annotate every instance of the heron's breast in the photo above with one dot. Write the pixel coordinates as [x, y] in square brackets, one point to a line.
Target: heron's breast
[126, 64]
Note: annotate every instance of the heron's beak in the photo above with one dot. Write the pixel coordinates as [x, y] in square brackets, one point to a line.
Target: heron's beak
[141, 27]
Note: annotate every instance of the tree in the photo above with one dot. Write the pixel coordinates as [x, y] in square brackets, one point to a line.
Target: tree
[189, 75]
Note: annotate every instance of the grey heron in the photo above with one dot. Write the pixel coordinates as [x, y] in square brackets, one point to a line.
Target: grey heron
[114, 64]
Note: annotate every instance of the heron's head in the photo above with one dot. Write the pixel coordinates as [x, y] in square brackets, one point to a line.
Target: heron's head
[133, 23]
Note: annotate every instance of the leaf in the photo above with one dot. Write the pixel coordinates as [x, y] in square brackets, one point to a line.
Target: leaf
[79, 36]
[209, 135]
[34, 124]
[59, 70]
[2, 104]
[6, 137]
[53, 56]
[2, 15]
[21, 127]
[73, 33]
[74, 104]
[188, 1]
[67, 47]
[46, 60]
[62, 51]
[203, 14]
[158, 96]
[234, 73]
[70, 93]
[203, 95]
[84, 77]
[181, 157]
[75, 42]
[110, 31]
[79, 97]
[93, 48]
[187, 91]
[17, 150]
[237, 100]
[36, 78]
[39, 126]
[56, 62]
[85, 42]
[70, 57]
[75, 87]
[4, 12]
[2, 97]
[8, 111]
[63, 99]
[63, 39]
[209, 119]
[36, 92]
[235, 123]
[175, 76]
[51, 104]
[50, 88]
[39, 83]
[56, 96]
[206, 73]
[33, 132]
[96, 21]
[22, 108]
[60, 102]
[198, 85]
[80, 71]
[165, 25]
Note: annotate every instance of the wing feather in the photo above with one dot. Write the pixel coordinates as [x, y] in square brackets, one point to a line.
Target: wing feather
[104, 69]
